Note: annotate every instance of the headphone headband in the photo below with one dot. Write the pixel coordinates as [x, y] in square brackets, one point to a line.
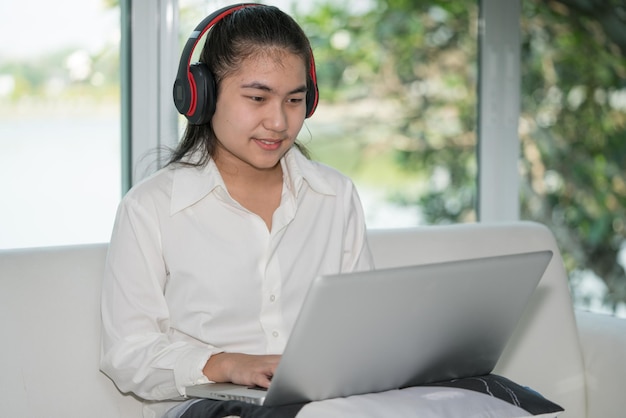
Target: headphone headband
[194, 88]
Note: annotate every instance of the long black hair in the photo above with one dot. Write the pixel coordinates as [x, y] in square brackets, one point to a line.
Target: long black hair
[238, 36]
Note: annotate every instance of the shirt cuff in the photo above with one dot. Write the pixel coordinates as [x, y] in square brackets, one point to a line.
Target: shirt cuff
[188, 369]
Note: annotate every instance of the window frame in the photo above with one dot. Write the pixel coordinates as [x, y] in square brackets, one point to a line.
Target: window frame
[150, 55]
[499, 106]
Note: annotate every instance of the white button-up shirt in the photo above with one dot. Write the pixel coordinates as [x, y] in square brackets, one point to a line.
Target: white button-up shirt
[190, 272]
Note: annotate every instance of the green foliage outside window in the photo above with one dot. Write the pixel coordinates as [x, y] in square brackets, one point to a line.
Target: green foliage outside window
[403, 76]
[573, 132]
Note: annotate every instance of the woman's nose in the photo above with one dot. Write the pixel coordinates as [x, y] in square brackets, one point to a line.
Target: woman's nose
[276, 118]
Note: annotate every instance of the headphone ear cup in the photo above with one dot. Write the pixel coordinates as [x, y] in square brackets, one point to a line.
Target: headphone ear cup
[311, 100]
[205, 92]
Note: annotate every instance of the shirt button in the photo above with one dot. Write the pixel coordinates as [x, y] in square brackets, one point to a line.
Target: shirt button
[275, 334]
[272, 298]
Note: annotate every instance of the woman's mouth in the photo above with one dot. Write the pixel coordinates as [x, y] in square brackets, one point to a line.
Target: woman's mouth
[268, 145]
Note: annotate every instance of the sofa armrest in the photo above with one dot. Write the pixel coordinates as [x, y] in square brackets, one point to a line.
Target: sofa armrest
[603, 342]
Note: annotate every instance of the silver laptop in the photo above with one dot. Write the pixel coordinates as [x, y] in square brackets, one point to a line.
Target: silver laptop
[392, 328]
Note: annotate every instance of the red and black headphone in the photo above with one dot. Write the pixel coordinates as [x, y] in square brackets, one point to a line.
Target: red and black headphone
[195, 91]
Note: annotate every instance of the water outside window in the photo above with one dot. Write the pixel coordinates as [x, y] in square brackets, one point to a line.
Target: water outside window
[59, 122]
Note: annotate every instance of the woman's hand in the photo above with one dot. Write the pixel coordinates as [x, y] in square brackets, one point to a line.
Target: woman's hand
[243, 369]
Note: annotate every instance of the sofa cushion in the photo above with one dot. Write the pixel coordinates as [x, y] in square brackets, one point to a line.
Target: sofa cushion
[49, 316]
[603, 341]
[484, 396]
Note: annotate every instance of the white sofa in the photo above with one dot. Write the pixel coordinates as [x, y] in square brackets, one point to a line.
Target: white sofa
[49, 316]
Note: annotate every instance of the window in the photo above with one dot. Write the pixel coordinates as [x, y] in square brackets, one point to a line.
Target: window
[572, 131]
[59, 122]
[398, 83]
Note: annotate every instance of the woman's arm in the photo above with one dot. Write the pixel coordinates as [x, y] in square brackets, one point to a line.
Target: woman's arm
[138, 352]
[357, 255]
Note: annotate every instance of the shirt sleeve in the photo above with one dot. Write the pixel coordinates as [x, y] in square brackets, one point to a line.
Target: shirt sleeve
[138, 352]
[357, 255]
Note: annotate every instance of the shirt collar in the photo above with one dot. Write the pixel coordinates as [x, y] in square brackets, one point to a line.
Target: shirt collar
[191, 184]
[298, 169]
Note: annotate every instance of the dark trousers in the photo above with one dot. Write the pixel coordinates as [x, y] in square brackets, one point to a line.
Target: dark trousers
[208, 408]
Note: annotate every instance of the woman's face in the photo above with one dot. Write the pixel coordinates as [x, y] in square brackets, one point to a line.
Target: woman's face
[260, 110]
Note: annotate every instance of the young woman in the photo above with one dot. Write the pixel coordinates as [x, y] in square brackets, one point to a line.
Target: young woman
[211, 257]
